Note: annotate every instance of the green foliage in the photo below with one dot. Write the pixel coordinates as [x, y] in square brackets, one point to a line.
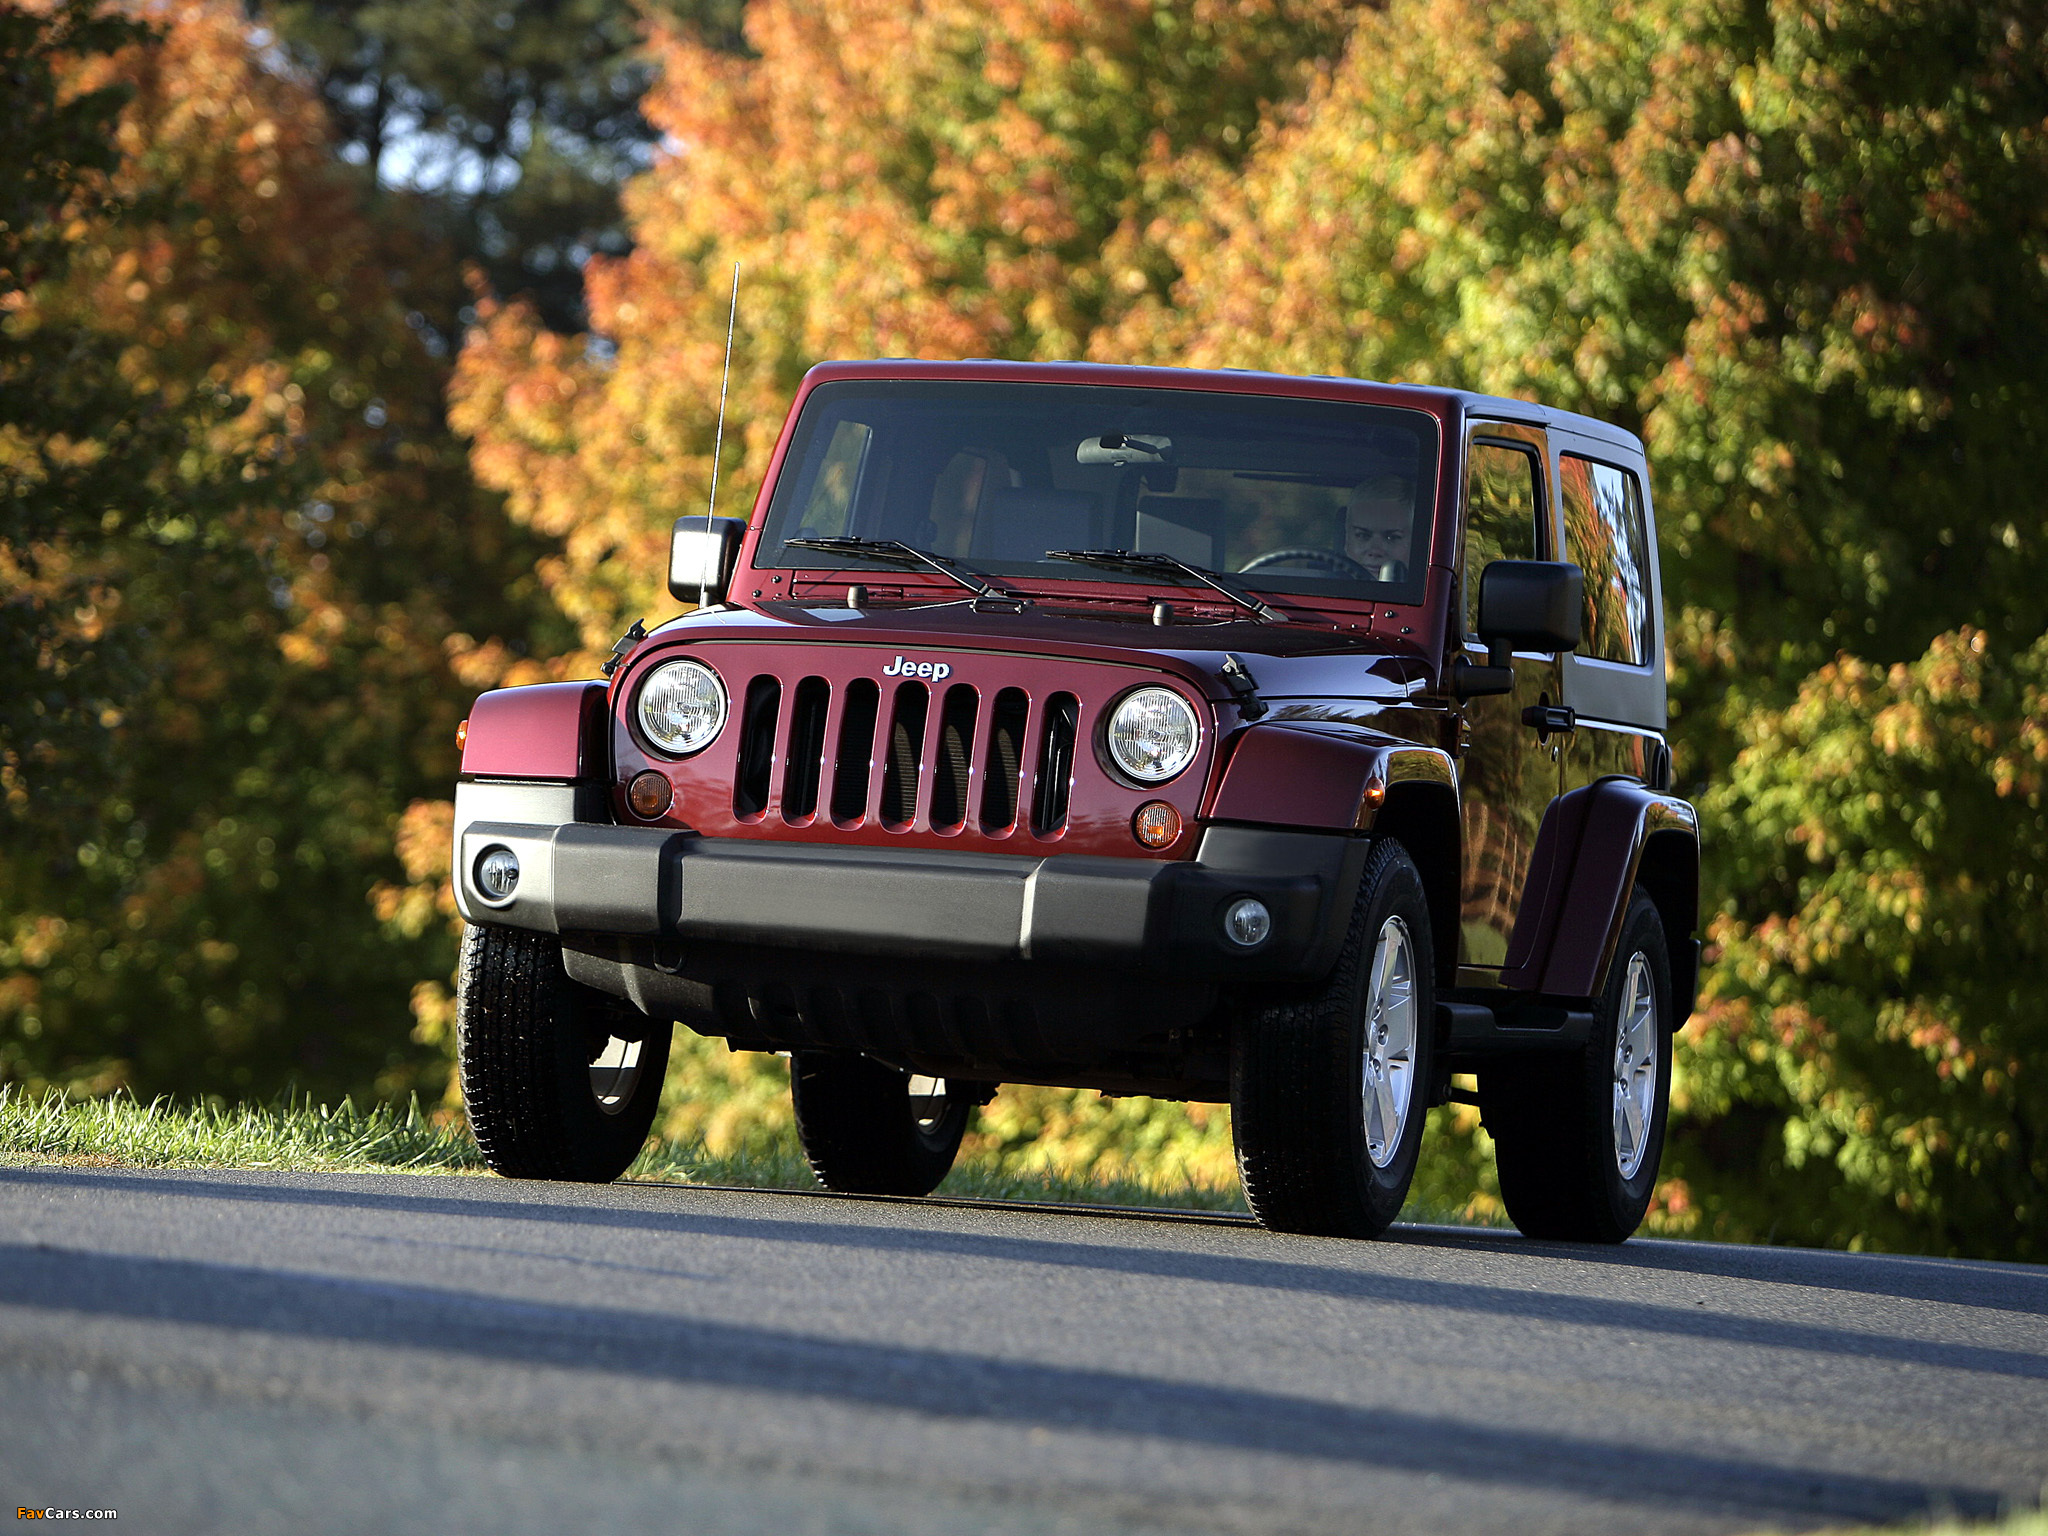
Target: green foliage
[1868, 1067]
[82, 450]
[1803, 250]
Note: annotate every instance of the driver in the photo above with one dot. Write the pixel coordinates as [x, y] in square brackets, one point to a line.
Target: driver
[1377, 520]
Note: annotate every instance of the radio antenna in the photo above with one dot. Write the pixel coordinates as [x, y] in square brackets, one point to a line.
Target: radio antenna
[724, 382]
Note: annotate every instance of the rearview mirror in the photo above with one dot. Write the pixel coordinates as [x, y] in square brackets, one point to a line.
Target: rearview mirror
[1530, 605]
[1120, 448]
[701, 555]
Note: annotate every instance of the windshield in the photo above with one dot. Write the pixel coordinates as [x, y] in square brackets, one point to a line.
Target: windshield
[1319, 498]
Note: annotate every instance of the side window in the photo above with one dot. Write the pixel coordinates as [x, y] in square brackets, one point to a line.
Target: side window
[1500, 515]
[1605, 537]
[828, 509]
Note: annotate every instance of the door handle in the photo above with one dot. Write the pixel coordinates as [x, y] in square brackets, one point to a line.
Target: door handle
[1547, 718]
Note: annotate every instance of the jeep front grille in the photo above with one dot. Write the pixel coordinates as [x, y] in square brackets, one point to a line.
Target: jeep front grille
[904, 755]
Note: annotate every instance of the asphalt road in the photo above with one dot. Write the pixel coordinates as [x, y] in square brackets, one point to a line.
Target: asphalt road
[298, 1353]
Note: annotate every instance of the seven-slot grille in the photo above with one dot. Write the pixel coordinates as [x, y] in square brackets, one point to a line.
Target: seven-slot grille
[904, 755]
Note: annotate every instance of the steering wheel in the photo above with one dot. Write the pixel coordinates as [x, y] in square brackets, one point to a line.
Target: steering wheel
[1327, 560]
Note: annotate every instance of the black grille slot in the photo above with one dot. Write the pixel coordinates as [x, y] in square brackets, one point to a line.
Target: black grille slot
[1055, 764]
[806, 748]
[757, 746]
[1006, 723]
[856, 750]
[906, 747]
[956, 753]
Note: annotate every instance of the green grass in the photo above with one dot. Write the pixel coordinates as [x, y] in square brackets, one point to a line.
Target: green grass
[297, 1134]
[2026, 1523]
[121, 1131]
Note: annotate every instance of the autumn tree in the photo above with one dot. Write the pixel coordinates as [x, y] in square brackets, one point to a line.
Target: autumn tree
[940, 180]
[1799, 248]
[1868, 1068]
[1803, 250]
[261, 517]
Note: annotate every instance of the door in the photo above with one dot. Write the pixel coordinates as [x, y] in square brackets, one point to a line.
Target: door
[1615, 682]
[1508, 770]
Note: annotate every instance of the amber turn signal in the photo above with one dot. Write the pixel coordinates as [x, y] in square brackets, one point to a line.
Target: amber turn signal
[649, 794]
[462, 736]
[1156, 825]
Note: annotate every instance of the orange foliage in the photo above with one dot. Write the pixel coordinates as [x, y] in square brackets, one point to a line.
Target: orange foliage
[949, 179]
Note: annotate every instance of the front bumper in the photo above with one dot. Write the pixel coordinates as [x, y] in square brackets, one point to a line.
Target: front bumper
[580, 876]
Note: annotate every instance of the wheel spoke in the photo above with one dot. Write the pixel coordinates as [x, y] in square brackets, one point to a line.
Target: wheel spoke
[1637, 1041]
[1390, 1108]
[1388, 1053]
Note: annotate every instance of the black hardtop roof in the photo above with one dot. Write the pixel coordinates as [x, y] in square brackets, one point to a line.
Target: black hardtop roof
[1469, 402]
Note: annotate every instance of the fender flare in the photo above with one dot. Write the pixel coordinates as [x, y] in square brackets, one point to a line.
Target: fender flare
[550, 731]
[1332, 778]
[1597, 844]
[1347, 779]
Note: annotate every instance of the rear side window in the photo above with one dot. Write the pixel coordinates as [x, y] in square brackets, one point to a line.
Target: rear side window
[1500, 514]
[1605, 536]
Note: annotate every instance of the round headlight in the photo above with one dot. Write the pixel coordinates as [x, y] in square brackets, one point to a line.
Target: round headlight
[1153, 735]
[682, 707]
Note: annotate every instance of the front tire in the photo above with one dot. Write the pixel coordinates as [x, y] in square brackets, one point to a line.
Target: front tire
[560, 1081]
[867, 1130]
[1328, 1091]
[1577, 1139]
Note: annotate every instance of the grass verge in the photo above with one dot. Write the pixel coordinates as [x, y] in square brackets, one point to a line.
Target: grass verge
[2023, 1523]
[296, 1134]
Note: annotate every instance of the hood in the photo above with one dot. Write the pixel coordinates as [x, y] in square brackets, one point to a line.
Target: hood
[1292, 660]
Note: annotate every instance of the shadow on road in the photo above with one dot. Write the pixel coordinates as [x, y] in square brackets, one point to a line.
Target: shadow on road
[1370, 1286]
[945, 1384]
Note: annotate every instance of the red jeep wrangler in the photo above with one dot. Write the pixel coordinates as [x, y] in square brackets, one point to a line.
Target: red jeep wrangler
[1295, 743]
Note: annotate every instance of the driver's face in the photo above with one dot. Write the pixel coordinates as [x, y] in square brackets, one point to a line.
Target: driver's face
[1376, 532]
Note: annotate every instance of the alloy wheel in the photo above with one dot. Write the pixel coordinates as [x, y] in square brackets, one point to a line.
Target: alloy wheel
[1389, 1054]
[1635, 1067]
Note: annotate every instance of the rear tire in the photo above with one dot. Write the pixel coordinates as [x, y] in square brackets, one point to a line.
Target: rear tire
[1328, 1091]
[1577, 1138]
[864, 1133]
[561, 1081]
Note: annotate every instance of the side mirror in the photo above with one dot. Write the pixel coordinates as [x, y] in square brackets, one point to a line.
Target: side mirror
[1530, 605]
[701, 554]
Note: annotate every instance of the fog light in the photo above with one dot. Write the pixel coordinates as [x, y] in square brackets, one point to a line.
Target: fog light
[497, 873]
[1246, 921]
[649, 794]
[1156, 825]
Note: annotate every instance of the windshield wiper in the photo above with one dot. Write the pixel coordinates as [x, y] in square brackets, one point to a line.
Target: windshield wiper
[1132, 560]
[897, 552]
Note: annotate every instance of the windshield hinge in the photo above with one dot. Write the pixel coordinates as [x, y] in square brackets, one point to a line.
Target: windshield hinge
[1237, 677]
[625, 646]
